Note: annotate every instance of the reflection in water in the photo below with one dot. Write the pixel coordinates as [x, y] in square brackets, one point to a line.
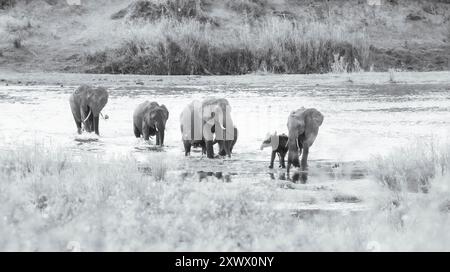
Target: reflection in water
[281, 176]
[218, 175]
[299, 176]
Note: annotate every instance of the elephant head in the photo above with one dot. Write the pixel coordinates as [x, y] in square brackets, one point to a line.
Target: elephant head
[216, 116]
[86, 103]
[150, 119]
[156, 120]
[303, 126]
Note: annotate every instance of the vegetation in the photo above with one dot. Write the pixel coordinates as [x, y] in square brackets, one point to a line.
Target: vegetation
[226, 37]
[412, 168]
[192, 47]
[59, 200]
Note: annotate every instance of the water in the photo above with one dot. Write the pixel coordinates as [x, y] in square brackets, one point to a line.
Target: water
[364, 116]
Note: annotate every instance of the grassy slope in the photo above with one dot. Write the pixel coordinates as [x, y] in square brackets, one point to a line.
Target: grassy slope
[63, 38]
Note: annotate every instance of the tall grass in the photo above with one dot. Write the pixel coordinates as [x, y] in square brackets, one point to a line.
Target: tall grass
[414, 167]
[59, 200]
[170, 46]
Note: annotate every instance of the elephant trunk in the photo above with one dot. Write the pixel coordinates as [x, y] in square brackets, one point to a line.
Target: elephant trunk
[160, 129]
[96, 116]
[293, 151]
[96, 125]
[161, 137]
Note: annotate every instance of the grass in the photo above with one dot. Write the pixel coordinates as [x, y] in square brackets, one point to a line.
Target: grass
[414, 167]
[192, 47]
[59, 200]
[225, 37]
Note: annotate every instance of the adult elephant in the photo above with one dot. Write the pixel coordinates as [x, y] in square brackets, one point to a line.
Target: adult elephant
[86, 103]
[150, 119]
[201, 121]
[303, 126]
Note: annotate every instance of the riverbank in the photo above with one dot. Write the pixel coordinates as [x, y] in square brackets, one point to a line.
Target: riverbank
[231, 37]
[9, 77]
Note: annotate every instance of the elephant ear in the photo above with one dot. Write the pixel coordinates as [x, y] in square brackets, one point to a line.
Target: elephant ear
[316, 117]
[266, 141]
[274, 141]
[296, 121]
[166, 112]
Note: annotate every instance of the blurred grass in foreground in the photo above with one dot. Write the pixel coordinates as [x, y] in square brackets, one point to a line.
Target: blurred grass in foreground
[52, 199]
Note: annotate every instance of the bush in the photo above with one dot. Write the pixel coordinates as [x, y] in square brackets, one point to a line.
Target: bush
[412, 168]
[6, 4]
[151, 11]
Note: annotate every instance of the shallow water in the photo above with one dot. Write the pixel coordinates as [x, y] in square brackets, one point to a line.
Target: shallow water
[363, 117]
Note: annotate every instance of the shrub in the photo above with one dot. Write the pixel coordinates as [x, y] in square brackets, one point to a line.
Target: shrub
[412, 168]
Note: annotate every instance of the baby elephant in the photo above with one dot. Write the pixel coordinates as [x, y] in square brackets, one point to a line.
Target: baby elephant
[279, 146]
[150, 119]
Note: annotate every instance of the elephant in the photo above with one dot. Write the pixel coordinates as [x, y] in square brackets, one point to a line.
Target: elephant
[86, 103]
[221, 143]
[203, 122]
[303, 126]
[279, 144]
[149, 119]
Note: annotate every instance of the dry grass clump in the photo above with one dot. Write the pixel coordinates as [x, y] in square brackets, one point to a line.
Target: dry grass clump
[412, 168]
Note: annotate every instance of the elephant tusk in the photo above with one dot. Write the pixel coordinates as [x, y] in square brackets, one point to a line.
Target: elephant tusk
[296, 140]
[156, 128]
[90, 111]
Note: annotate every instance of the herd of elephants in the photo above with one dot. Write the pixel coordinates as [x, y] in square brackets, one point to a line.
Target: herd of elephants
[203, 124]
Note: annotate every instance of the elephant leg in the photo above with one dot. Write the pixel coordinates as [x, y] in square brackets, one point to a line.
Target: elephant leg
[305, 159]
[272, 159]
[227, 146]
[282, 164]
[137, 133]
[78, 124]
[304, 174]
[222, 151]
[96, 124]
[157, 139]
[187, 147]
[203, 145]
[209, 149]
